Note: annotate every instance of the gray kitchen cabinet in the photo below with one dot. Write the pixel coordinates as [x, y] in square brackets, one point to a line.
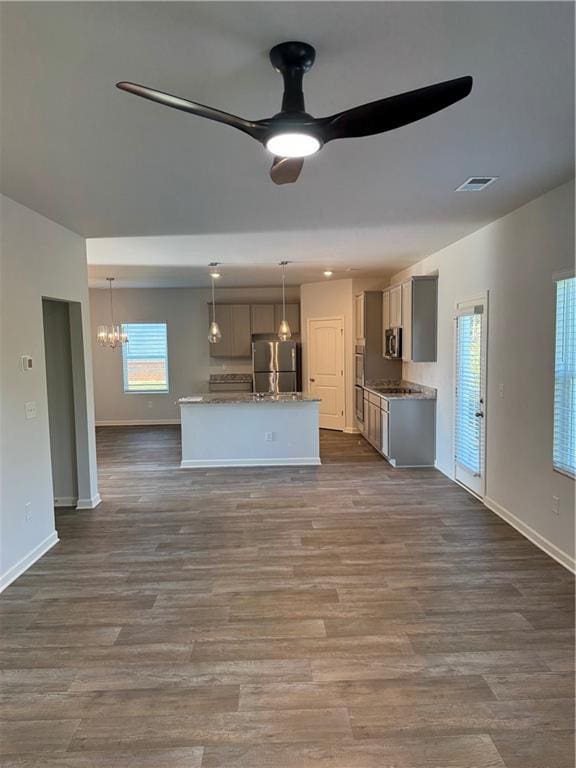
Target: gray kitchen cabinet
[374, 421]
[359, 317]
[262, 317]
[402, 429]
[365, 428]
[234, 322]
[411, 438]
[419, 319]
[395, 317]
[292, 316]
[385, 313]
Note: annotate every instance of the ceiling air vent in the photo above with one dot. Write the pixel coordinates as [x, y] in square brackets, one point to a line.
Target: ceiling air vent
[476, 183]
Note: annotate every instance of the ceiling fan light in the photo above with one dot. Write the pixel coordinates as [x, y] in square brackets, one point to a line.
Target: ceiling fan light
[292, 145]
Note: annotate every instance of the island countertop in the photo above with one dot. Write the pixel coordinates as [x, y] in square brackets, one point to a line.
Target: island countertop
[250, 398]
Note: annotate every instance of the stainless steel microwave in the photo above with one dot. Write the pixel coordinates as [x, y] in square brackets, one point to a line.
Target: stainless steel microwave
[393, 343]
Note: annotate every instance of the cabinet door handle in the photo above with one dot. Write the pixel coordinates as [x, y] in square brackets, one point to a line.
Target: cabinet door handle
[312, 380]
[479, 415]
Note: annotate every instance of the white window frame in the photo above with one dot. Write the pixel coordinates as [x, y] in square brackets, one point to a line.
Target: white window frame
[557, 278]
[125, 327]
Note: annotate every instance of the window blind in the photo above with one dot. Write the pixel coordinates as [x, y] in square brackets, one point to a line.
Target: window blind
[468, 437]
[564, 453]
[145, 357]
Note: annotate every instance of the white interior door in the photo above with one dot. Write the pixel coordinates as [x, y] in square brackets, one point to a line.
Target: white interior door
[326, 369]
[470, 396]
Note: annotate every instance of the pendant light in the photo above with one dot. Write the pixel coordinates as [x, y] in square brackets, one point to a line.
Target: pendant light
[111, 335]
[284, 332]
[214, 332]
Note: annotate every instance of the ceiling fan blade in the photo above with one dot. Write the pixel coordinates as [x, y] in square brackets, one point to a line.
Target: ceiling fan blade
[285, 170]
[168, 100]
[395, 111]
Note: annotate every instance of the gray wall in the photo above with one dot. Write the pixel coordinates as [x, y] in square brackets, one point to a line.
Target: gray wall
[514, 259]
[60, 389]
[186, 314]
[38, 259]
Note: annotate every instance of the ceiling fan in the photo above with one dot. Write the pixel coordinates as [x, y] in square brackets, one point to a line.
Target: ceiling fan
[293, 134]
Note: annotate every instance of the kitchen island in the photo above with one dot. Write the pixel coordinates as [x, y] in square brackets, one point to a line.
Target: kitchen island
[249, 430]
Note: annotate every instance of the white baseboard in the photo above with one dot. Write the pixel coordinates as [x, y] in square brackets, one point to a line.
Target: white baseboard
[137, 423]
[22, 565]
[89, 503]
[532, 535]
[526, 530]
[215, 463]
[65, 501]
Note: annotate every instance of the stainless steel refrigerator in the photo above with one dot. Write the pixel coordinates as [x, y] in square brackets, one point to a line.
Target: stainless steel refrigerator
[275, 366]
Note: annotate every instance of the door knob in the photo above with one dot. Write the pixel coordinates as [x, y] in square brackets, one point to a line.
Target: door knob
[312, 380]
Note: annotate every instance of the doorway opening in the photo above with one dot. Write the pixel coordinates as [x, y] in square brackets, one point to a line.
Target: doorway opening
[470, 395]
[66, 389]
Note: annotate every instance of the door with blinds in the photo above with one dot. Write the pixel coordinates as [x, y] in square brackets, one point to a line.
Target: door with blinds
[470, 395]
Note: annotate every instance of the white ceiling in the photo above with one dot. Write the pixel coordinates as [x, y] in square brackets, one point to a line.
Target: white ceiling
[109, 165]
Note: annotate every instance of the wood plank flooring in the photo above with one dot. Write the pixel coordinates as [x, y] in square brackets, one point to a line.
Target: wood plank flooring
[342, 616]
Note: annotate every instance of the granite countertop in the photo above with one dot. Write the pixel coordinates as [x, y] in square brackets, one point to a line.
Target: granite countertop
[224, 378]
[421, 392]
[235, 398]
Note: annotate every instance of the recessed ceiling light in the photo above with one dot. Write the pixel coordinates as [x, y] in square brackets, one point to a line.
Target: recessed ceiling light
[476, 183]
[328, 273]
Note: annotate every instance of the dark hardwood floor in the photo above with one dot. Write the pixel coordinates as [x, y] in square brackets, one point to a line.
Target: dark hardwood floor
[342, 616]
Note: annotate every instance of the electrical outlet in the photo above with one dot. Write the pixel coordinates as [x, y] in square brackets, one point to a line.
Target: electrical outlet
[150, 404]
[30, 409]
[268, 436]
[28, 511]
[555, 505]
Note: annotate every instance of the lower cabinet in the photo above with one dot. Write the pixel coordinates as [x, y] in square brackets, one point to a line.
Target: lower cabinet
[403, 430]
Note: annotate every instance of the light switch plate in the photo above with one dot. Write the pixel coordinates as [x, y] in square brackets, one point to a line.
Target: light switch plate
[30, 408]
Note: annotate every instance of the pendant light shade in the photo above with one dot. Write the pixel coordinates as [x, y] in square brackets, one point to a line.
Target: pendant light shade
[284, 332]
[111, 335]
[214, 332]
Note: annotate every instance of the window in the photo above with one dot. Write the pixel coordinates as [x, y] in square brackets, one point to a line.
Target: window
[145, 357]
[565, 378]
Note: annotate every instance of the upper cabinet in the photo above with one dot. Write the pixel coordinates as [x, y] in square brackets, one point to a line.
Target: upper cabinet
[419, 319]
[262, 318]
[239, 321]
[234, 322]
[385, 312]
[359, 325]
[413, 306]
[395, 306]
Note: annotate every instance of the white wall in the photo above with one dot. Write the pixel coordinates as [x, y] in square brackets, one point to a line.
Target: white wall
[38, 259]
[331, 298]
[185, 312]
[514, 259]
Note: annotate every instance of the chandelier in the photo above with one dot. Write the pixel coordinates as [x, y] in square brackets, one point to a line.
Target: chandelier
[111, 335]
